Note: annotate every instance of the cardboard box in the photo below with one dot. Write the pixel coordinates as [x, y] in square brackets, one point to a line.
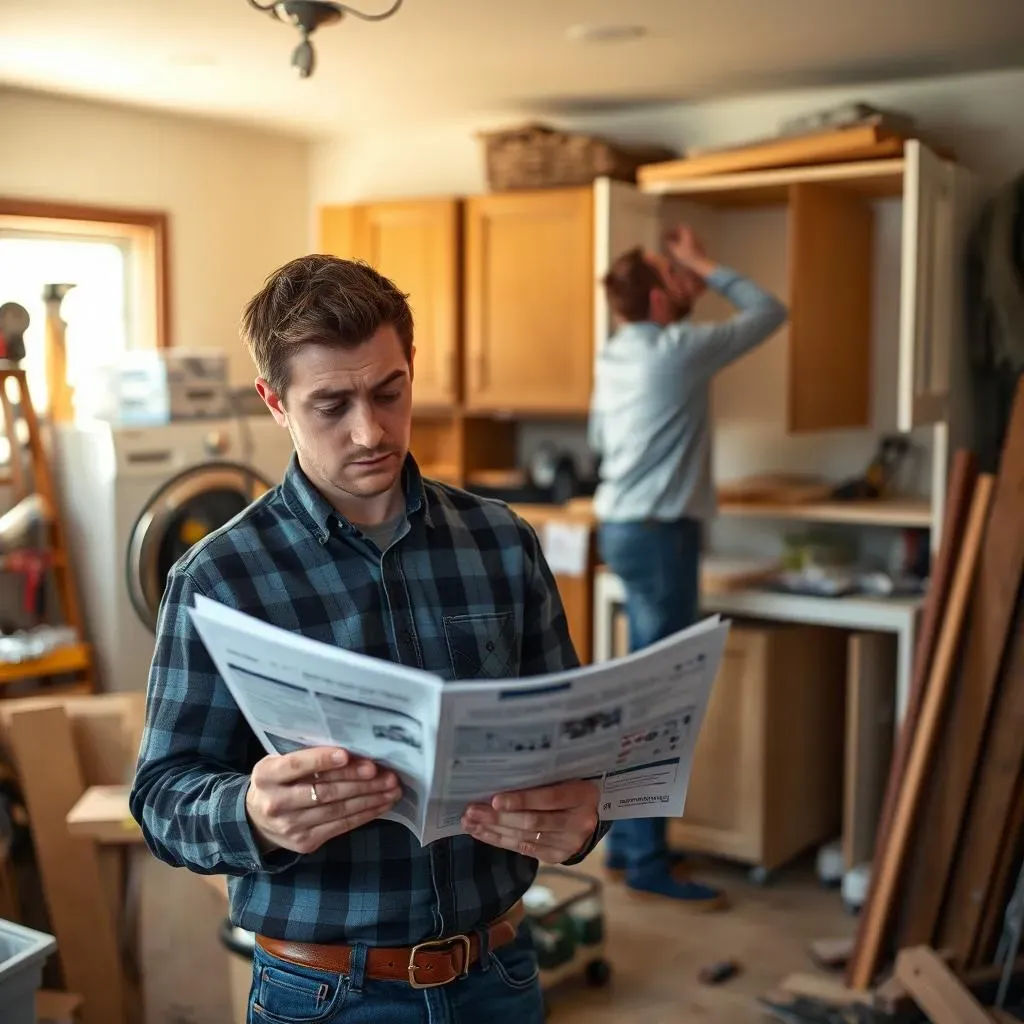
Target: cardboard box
[57, 1007]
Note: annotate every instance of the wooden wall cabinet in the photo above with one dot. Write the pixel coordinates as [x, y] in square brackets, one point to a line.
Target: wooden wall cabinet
[417, 243]
[529, 279]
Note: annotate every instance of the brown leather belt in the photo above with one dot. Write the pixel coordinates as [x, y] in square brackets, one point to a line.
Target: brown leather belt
[425, 965]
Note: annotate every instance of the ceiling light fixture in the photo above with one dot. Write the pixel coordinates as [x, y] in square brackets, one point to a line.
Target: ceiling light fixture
[307, 16]
[605, 33]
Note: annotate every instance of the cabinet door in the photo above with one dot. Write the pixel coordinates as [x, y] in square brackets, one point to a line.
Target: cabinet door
[416, 244]
[831, 240]
[530, 301]
[934, 224]
[725, 809]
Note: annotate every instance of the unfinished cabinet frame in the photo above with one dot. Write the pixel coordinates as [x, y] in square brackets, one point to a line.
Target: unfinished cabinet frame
[831, 220]
[829, 211]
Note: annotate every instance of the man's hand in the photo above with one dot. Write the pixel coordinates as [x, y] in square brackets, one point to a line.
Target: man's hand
[686, 251]
[551, 823]
[349, 792]
[682, 244]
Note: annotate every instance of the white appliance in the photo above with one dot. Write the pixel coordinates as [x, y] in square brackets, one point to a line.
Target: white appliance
[135, 499]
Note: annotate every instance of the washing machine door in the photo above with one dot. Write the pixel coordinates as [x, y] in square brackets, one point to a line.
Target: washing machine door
[181, 513]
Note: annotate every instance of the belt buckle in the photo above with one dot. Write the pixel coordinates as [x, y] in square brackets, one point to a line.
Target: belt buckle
[456, 941]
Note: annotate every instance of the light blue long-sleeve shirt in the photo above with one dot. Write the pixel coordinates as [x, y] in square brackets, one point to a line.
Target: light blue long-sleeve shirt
[649, 411]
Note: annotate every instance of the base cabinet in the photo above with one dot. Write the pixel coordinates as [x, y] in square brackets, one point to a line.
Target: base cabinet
[767, 777]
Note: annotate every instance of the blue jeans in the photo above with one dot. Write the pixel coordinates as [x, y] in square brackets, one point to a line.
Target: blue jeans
[503, 989]
[659, 566]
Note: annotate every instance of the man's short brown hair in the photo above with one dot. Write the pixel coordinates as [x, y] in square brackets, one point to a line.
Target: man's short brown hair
[321, 300]
[628, 285]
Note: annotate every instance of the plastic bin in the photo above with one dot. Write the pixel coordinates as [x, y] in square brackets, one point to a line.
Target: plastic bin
[22, 955]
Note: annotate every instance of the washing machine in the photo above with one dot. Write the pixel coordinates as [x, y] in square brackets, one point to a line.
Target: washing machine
[135, 499]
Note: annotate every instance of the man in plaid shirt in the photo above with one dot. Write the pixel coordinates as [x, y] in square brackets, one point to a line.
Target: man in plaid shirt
[354, 920]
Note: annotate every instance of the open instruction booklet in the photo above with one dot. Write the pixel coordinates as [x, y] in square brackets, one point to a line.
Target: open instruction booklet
[630, 725]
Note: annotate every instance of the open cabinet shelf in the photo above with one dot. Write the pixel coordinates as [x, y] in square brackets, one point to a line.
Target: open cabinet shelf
[905, 512]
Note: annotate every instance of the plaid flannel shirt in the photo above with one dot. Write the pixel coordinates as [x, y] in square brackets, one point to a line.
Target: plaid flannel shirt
[465, 592]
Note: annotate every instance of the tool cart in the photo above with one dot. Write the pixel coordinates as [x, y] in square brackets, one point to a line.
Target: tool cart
[565, 915]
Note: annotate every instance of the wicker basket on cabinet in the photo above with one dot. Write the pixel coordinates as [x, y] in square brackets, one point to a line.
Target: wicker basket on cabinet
[539, 156]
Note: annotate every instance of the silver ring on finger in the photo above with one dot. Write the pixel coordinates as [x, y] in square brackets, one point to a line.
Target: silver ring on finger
[537, 840]
[312, 793]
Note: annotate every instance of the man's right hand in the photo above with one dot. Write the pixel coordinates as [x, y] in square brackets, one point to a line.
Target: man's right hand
[685, 249]
[349, 792]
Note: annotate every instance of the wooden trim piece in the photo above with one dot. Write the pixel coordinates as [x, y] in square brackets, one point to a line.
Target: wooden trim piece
[102, 814]
[891, 996]
[888, 868]
[961, 488]
[999, 579]
[976, 873]
[814, 986]
[154, 220]
[861, 142]
[937, 990]
[875, 178]
[52, 781]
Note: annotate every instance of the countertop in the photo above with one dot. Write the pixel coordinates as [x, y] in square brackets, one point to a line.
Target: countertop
[579, 511]
[896, 512]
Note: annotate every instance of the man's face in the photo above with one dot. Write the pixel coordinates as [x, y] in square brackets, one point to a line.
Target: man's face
[680, 290]
[349, 412]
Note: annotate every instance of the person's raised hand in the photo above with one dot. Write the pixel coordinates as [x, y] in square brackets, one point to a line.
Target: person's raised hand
[683, 245]
[550, 823]
[299, 801]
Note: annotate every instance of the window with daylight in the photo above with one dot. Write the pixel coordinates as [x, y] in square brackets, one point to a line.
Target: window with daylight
[116, 262]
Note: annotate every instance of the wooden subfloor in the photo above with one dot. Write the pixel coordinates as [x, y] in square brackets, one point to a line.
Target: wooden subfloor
[656, 950]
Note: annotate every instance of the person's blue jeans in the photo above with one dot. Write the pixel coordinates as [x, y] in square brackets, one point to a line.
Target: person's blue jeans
[659, 565]
[503, 989]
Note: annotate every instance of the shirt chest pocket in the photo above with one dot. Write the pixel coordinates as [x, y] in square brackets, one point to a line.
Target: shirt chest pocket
[483, 646]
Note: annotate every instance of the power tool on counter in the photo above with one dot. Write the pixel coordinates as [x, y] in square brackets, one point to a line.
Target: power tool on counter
[892, 451]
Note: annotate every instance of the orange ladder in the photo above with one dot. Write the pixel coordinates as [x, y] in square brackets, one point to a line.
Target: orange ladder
[68, 669]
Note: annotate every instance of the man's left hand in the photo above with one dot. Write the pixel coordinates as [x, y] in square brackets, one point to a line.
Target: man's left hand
[550, 823]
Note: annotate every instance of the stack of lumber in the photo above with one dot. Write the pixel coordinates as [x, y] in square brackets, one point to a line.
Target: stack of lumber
[949, 839]
[872, 140]
[951, 832]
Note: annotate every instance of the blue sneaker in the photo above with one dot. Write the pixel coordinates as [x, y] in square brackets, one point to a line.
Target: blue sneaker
[693, 895]
[616, 864]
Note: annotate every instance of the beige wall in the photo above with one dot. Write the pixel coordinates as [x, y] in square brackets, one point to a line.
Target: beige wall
[977, 114]
[237, 199]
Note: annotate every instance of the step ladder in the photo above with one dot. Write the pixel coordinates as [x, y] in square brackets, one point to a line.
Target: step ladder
[68, 668]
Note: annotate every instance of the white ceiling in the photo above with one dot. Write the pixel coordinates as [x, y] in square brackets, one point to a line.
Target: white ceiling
[446, 59]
